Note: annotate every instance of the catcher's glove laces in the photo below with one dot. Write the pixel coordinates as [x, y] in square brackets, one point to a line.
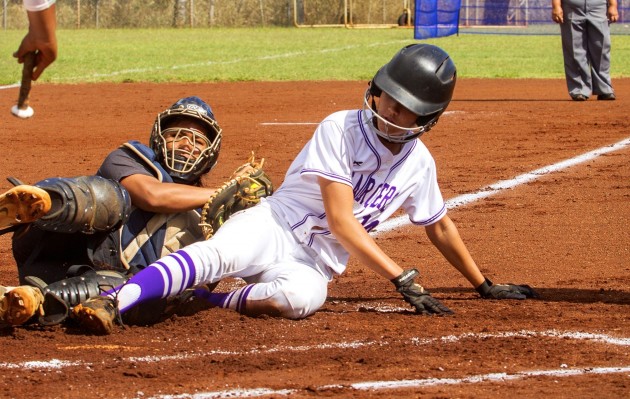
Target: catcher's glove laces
[107, 287]
[247, 185]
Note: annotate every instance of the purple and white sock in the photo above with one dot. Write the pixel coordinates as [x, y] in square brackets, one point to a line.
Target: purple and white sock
[168, 276]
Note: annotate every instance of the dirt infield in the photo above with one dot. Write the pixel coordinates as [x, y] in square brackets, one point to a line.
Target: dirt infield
[562, 229]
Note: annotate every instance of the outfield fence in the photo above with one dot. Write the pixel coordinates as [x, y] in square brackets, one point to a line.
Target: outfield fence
[481, 16]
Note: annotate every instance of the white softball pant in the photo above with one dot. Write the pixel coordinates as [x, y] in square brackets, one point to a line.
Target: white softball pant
[259, 247]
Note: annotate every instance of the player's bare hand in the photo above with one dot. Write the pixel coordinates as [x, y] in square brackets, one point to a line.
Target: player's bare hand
[488, 290]
[417, 296]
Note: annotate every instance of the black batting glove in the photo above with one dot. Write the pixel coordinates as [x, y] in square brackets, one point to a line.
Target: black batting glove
[417, 296]
[487, 290]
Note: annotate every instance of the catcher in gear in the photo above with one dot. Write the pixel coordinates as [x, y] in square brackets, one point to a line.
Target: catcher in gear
[357, 170]
[74, 237]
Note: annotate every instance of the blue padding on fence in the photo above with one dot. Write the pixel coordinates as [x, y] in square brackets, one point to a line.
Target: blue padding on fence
[436, 18]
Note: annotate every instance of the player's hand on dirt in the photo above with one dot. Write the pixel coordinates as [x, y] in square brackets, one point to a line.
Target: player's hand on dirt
[417, 296]
[488, 290]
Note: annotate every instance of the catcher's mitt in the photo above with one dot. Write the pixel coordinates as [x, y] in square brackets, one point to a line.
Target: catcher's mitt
[247, 185]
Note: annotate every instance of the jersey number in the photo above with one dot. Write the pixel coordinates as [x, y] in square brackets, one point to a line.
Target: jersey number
[367, 225]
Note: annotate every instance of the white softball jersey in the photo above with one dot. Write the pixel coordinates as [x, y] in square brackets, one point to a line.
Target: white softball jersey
[345, 149]
[38, 5]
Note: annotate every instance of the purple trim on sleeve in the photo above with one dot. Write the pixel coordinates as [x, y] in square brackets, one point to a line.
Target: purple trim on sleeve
[330, 176]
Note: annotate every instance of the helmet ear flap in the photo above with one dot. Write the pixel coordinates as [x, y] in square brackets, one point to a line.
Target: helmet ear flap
[424, 120]
[428, 121]
[375, 90]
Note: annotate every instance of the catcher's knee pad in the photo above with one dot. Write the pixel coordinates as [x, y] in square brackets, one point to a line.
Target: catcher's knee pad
[86, 204]
[62, 295]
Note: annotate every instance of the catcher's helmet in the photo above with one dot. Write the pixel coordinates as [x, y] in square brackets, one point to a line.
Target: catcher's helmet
[421, 77]
[187, 166]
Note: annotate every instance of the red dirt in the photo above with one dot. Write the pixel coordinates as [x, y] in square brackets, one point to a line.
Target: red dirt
[565, 233]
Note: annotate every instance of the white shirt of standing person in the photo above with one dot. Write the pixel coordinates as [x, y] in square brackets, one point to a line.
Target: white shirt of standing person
[38, 5]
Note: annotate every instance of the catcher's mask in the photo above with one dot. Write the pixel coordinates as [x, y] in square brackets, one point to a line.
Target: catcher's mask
[420, 77]
[186, 164]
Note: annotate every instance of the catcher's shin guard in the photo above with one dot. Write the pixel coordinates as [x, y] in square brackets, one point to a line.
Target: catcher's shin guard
[86, 204]
[61, 296]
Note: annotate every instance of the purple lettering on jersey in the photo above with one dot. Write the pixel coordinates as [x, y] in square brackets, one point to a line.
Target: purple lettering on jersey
[367, 225]
[369, 196]
[387, 198]
[375, 196]
[357, 185]
[363, 191]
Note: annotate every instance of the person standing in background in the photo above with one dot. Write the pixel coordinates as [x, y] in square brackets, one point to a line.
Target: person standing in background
[585, 32]
[41, 37]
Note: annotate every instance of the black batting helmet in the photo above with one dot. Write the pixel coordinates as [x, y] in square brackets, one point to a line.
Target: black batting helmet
[422, 78]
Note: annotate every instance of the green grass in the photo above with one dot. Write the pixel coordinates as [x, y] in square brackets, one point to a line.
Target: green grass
[240, 54]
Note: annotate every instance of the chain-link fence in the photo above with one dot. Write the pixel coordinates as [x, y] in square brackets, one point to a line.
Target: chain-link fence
[517, 12]
[158, 13]
[232, 13]
[208, 13]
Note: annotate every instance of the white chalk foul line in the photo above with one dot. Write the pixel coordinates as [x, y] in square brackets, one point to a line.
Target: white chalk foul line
[502, 185]
[14, 85]
[576, 335]
[562, 372]
[417, 341]
[399, 384]
[369, 385]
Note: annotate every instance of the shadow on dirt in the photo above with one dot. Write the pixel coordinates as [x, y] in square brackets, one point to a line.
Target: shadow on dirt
[572, 295]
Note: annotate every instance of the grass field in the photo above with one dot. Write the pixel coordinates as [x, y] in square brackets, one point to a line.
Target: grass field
[269, 54]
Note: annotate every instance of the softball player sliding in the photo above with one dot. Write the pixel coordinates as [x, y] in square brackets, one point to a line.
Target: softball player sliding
[359, 167]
